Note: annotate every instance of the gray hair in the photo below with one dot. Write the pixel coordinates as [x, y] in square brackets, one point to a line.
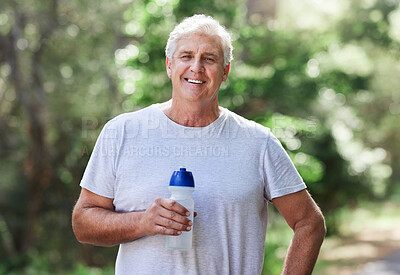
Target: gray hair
[200, 23]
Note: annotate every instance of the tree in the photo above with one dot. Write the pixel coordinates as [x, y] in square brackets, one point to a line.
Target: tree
[322, 77]
[56, 84]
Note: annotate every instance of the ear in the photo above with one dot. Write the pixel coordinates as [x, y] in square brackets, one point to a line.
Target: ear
[226, 72]
[168, 67]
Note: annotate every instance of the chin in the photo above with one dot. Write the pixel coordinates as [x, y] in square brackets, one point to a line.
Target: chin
[193, 96]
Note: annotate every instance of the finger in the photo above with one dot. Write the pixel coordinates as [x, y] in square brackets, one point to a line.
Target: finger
[194, 214]
[173, 216]
[174, 206]
[167, 231]
[172, 224]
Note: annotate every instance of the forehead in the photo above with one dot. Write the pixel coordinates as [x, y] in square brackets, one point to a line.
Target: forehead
[202, 43]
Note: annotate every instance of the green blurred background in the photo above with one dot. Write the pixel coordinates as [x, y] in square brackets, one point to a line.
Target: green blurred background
[323, 75]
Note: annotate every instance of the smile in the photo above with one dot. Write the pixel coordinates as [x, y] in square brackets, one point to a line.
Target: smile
[194, 81]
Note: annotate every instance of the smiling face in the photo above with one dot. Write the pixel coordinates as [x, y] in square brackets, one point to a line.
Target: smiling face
[197, 69]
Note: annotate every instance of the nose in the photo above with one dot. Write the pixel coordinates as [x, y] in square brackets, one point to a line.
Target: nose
[197, 65]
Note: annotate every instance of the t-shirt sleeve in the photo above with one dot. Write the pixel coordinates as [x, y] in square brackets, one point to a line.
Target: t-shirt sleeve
[281, 175]
[99, 175]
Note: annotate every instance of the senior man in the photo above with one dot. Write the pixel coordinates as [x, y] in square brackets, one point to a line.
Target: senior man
[238, 166]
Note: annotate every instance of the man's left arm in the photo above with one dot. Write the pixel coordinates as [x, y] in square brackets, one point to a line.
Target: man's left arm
[305, 218]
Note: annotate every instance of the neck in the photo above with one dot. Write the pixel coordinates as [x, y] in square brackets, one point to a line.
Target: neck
[191, 115]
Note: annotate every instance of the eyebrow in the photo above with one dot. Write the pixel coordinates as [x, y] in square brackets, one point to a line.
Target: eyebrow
[185, 52]
[206, 53]
[211, 54]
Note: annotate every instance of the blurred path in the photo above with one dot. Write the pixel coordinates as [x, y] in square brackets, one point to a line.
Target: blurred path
[371, 247]
[389, 265]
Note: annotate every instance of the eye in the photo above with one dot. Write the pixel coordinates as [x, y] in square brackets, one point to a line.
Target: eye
[186, 57]
[209, 60]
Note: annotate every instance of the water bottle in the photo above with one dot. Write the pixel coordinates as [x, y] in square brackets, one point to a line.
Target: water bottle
[181, 186]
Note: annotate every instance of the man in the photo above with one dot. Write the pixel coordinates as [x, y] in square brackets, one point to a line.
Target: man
[238, 166]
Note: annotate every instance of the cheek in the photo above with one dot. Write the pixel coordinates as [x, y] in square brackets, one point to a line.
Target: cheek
[179, 69]
[218, 76]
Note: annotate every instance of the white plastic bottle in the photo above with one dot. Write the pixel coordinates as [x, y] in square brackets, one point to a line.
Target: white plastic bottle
[182, 187]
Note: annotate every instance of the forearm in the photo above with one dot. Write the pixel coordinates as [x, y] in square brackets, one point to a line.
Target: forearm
[304, 249]
[105, 227]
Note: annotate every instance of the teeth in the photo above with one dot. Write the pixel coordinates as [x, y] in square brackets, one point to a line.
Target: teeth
[195, 81]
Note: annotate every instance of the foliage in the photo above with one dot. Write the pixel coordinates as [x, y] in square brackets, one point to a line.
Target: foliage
[34, 263]
[323, 77]
[368, 231]
[277, 243]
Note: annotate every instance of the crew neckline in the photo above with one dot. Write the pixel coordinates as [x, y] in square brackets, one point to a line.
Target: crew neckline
[213, 124]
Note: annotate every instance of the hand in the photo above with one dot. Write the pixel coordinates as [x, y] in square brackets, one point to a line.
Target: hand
[165, 217]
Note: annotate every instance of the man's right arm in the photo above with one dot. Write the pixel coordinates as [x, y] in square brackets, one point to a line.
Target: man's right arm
[95, 221]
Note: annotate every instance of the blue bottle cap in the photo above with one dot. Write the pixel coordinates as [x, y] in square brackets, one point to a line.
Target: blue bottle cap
[182, 178]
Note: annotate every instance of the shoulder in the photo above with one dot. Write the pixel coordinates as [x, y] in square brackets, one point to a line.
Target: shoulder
[130, 124]
[135, 117]
[142, 113]
[239, 122]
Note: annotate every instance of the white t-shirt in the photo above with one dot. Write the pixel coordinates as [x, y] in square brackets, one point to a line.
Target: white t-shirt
[237, 164]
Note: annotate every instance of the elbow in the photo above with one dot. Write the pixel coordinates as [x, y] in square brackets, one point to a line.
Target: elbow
[79, 236]
[314, 227]
[82, 231]
[78, 227]
[324, 227]
[320, 227]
